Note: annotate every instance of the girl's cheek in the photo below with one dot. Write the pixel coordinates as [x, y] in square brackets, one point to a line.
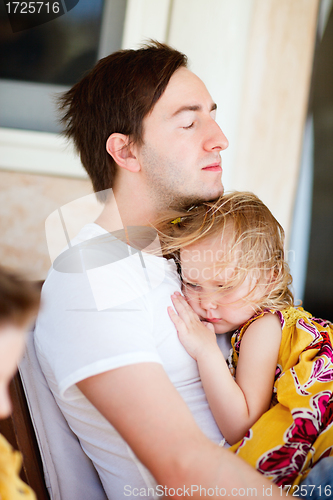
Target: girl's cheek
[186, 292]
[189, 297]
[5, 403]
[194, 303]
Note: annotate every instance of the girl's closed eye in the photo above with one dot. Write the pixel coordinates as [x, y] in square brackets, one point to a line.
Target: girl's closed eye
[225, 288]
[193, 286]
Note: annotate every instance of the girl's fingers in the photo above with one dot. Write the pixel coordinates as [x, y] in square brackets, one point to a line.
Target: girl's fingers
[179, 299]
[180, 307]
[183, 308]
[177, 321]
[208, 325]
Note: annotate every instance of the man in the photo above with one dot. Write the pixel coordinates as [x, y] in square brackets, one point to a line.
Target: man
[104, 340]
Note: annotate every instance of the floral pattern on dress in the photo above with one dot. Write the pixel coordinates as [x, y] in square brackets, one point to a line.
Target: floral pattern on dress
[322, 369]
[283, 464]
[297, 431]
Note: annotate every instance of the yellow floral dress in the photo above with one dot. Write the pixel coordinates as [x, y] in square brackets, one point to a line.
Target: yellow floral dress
[297, 430]
[11, 486]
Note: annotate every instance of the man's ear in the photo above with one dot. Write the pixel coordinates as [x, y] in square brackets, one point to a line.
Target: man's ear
[123, 152]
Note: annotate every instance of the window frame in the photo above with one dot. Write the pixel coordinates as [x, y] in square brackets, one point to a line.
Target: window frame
[49, 153]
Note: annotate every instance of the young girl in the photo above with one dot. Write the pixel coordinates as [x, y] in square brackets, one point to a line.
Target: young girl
[275, 405]
[19, 301]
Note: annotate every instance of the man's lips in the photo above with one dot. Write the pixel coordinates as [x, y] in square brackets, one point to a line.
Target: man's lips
[214, 167]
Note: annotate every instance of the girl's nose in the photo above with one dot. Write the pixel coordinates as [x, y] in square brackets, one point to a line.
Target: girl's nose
[208, 303]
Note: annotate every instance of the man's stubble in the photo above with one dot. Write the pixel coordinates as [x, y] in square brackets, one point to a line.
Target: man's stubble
[172, 187]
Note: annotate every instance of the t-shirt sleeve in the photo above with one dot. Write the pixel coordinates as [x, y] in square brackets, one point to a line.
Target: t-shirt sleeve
[79, 338]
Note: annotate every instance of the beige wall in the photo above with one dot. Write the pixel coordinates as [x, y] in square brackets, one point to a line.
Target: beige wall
[274, 102]
[25, 203]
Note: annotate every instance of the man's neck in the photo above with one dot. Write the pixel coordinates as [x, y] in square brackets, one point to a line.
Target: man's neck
[126, 210]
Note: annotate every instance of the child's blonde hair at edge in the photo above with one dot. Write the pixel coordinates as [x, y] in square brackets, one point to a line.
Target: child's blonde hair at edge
[255, 241]
[19, 299]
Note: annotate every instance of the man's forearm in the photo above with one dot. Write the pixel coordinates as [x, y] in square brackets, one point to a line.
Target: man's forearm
[215, 472]
[148, 412]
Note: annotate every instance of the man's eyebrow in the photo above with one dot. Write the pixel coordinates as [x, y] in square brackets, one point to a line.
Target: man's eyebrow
[193, 107]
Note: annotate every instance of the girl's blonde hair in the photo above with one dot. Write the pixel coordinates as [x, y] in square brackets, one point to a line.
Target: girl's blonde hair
[255, 241]
[19, 298]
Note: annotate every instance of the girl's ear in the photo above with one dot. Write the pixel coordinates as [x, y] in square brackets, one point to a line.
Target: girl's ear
[123, 152]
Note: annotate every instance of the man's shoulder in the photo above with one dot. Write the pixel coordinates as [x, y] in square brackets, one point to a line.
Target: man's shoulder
[88, 232]
[102, 271]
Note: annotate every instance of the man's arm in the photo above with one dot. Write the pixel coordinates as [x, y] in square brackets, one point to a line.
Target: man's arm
[145, 408]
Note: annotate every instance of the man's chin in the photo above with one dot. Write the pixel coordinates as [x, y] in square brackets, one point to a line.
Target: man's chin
[215, 195]
[212, 192]
[184, 202]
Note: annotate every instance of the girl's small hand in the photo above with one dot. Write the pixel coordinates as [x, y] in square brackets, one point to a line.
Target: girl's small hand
[197, 337]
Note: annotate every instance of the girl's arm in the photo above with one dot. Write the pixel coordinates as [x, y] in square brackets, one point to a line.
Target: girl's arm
[236, 406]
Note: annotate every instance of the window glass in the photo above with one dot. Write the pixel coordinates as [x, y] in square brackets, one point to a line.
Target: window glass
[59, 51]
[318, 298]
[38, 61]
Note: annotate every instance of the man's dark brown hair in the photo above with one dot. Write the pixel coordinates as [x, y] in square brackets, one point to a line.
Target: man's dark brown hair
[19, 298]
[115, 97]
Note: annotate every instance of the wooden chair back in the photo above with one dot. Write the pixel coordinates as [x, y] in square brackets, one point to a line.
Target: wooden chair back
[19, 431]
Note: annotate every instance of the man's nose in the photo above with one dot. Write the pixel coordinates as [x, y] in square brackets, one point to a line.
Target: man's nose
[215, 139]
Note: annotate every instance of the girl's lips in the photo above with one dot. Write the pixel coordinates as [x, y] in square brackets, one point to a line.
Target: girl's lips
[213, 320]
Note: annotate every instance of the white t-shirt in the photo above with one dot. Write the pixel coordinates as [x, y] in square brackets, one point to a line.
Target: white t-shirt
[106, 317]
